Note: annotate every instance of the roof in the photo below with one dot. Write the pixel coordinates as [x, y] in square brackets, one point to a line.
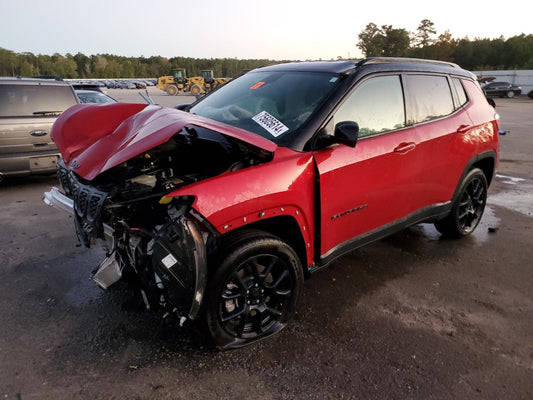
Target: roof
[336, 67]
[398, 64]
[371, 63]
[405, 60]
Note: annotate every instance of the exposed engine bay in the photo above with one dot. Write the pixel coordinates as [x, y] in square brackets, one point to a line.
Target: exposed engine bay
[133, 191]
[152, 239]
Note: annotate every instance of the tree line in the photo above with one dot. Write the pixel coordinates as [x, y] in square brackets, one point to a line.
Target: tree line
[479, 54]
[110, 66]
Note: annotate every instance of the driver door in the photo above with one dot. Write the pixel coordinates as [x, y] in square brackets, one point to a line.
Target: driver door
[365, 188]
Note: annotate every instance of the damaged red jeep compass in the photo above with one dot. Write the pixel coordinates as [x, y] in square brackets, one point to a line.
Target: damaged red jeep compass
[219, 209]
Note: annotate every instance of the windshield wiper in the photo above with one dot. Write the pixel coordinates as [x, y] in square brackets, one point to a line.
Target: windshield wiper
[47, 112]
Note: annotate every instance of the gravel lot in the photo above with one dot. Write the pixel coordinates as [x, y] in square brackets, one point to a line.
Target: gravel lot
[159, 97]
[413, 316]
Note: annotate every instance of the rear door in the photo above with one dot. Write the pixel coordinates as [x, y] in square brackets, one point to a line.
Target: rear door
[436, 110]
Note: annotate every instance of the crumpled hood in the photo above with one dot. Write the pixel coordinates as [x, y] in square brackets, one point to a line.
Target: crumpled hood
[95, 138]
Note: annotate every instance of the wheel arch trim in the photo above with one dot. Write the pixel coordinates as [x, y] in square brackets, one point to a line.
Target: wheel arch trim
[486, 161]
[281, 221]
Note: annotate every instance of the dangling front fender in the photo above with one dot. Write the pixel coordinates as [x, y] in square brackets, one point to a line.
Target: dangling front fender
[179, 259]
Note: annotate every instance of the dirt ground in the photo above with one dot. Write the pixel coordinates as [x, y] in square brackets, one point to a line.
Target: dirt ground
[410, 317]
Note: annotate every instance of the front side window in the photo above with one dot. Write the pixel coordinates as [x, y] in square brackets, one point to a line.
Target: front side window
[430, 97]
[376, 104]
[273, 104]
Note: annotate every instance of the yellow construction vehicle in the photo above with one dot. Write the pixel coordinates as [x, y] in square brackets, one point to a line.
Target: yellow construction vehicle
[175, 83]
[205, 83]
[178, 82]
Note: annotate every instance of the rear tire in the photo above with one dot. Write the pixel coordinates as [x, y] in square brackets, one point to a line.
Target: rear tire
[510, 94]
[468, 209]
[254, 291]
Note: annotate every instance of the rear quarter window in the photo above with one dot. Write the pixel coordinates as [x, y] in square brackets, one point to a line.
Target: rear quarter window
[459, 97]
[34, 100]
[429, 98]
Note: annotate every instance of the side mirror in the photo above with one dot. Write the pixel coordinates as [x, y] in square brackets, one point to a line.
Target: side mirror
[347, 132]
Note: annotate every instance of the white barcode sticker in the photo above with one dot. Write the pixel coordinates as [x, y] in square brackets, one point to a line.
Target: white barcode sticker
[274, 126]
[169, 261]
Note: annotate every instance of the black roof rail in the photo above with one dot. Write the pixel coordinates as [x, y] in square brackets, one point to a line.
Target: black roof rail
[376, 60]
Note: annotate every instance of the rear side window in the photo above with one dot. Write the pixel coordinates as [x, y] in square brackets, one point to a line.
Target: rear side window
[429, 97]
[459, 94]
[34, 100]
[376, 105]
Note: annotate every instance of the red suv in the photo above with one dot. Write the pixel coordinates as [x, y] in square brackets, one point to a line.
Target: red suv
[218, 210]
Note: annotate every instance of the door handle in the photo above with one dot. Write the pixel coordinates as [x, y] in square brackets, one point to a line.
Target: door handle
[404, 147]
[463, 128]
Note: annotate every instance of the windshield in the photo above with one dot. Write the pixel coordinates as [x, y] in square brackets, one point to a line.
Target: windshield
[271, 104]
[179, 73]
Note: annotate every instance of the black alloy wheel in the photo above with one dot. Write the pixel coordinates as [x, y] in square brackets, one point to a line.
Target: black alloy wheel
[471, 205]
[254, 292]
[468, 208]
[255, 296]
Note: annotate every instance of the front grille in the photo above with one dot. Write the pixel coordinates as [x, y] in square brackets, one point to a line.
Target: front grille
[81, 202]
[88, 202]
[63, 175]
[94, 206]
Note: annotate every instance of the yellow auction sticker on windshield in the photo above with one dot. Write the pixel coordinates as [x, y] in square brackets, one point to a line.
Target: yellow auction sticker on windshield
[274, 126]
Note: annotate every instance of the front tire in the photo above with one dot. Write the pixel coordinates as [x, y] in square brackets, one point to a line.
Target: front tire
[468, 209]
[510, 94]
[254, 291]
[196, 90]
[172, 90]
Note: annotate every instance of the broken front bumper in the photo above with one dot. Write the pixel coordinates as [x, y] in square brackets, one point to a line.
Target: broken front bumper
[177, 257]
[54, 198]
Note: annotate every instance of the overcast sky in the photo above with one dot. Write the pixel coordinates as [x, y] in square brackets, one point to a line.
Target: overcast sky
[272, 29]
